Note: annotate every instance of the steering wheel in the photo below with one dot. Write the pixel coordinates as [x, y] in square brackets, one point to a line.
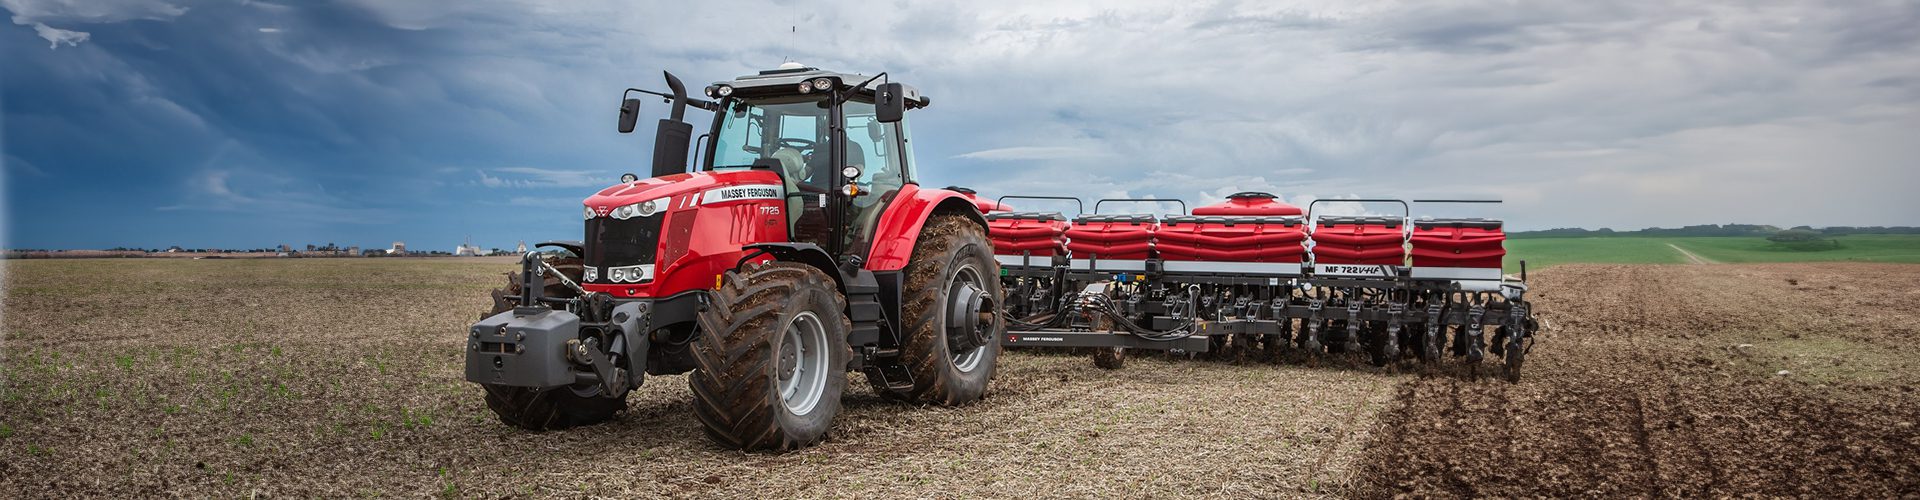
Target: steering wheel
[796, 143]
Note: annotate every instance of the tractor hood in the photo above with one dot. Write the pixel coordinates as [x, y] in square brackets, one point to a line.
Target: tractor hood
[705, 187]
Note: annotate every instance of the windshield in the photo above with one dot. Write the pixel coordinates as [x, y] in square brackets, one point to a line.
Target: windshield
[788, 130]
[790, 133]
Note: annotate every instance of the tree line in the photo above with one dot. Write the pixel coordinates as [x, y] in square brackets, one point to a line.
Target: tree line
[1759, 230]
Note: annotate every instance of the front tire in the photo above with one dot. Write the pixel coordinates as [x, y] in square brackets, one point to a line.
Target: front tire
[771, 358]
[952, 313]
[551, 408]
[554, 408]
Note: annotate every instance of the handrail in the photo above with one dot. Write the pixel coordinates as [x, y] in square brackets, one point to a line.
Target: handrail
[1406, 211]
[1183, 204]
[1458, 201]
[1081, 206]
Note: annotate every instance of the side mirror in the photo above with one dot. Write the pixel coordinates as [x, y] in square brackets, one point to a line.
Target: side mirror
[890, 102]
[629, 113]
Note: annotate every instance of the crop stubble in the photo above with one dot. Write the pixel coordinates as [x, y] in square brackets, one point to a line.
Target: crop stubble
[342, 377]
[337, 377]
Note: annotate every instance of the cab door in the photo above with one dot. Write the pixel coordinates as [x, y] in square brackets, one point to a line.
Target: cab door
[877, 150]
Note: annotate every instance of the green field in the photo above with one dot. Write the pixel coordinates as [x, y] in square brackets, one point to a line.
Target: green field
[1544, 252]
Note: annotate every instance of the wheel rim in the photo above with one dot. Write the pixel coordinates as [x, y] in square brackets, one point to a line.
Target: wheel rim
[803, 364]
[971, 313]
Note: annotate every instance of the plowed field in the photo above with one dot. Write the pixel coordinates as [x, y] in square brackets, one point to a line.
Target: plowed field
[341, 377]
[1688, 381]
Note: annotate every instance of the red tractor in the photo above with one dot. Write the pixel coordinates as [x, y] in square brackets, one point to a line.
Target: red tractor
[797, 249]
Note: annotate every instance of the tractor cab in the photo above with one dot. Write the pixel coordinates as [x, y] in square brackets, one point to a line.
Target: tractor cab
[838, 141]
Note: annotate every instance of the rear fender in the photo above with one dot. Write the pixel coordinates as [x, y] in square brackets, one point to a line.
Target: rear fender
[899, 228]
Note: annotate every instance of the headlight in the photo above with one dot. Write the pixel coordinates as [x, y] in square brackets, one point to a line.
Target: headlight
[630, 274]
[821, 83]
[641, 209]
[589, 212]
[805, 88]
[725, 90]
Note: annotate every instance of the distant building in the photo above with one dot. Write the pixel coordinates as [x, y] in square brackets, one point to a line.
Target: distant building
[520, 250]
[399, 248]
[467, 249]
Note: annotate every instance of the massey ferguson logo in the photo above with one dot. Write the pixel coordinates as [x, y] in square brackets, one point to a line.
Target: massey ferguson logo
[738, 193]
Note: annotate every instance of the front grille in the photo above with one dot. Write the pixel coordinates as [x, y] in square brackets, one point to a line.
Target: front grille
[614, 242]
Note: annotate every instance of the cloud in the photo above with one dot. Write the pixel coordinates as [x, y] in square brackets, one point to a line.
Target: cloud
[528, 177]
[548, 202]
[37, 13]
[56, 36]
[91, 11]
[13, 164]
[269, 30]
[286, 198]
[1622, 114]
[1027, 153]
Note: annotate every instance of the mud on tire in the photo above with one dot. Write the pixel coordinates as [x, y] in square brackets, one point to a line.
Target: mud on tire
[950, 248]
[554, 408]
[753, 388]
[551, 409]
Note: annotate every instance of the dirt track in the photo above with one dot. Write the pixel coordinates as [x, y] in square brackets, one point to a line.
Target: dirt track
[341, 377]
[1692, 257]
[1667, 381]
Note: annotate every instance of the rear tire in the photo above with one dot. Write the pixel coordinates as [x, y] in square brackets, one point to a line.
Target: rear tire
[952, 256]
[771, 358]
[555, 408]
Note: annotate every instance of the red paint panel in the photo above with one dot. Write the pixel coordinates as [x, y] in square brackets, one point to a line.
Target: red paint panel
[985, 205]
[1027, 233]
[899, 227]
[1249, 204]
[1231, 239]
[1463, 243]
[1111, 237]
[699, 239]
[1363, 243]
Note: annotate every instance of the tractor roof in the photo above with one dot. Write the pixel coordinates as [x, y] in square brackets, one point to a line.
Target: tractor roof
[786, 78]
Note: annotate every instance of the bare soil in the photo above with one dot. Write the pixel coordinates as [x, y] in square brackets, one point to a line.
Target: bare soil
[1680, 381]
[342, 377]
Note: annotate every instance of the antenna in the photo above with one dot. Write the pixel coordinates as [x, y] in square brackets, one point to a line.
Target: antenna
[793, 33]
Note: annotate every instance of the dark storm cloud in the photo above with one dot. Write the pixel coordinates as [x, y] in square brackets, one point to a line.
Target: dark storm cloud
[233, 123]
[316, 121]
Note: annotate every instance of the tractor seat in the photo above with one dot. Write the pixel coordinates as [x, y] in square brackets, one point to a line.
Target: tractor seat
[793, 168]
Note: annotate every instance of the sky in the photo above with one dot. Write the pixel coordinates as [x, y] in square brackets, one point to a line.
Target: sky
[149, 123]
